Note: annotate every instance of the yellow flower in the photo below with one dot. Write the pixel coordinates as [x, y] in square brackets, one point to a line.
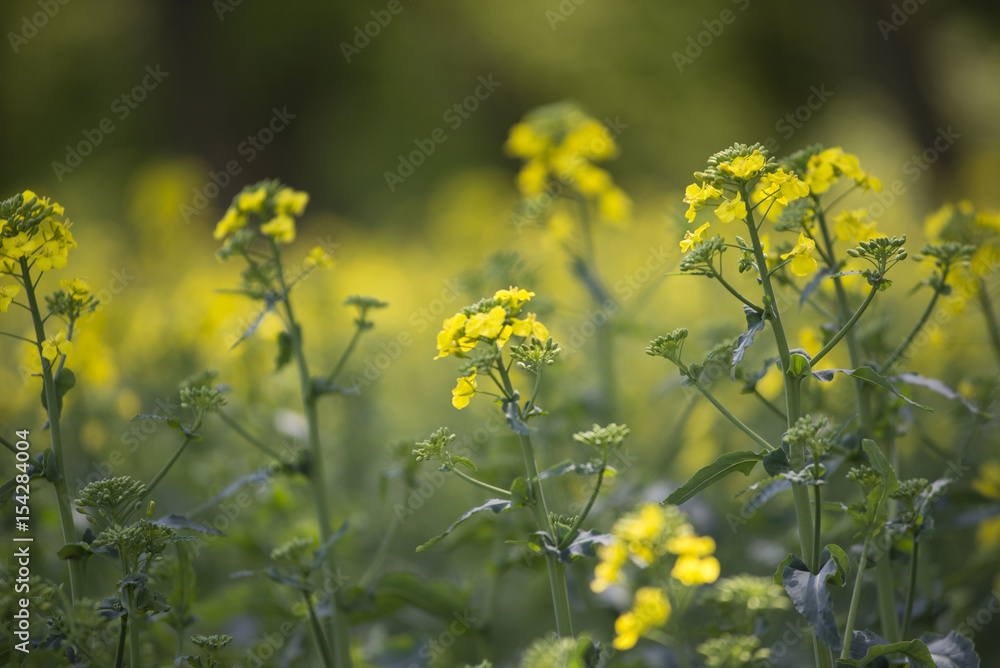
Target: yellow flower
[529, 326]
[232, 220]
[985, 261]
[627, 630]
[281, 228]
[987, 482]
[524, 142]
[691, 545]
[318, 258]
[78, 288]
[644, 525]
[650, 609]
[290, 201]
[450, 330]
[44, 201]
[532, 178]
[697, 196]
[803, 263]
[7, 294]
[783, 186]
[824, 169]
[691, 570]
[744, 167]
[609, 569]
[615, 205]
[513, 297]
[18, 245]
[486, 325]
[49, 255]
[692, 238]
[464, 391]
[854, 226]
[56, 345]
[732, 209]
[252, 202]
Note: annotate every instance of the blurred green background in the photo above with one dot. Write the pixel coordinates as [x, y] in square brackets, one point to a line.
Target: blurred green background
[297, 91]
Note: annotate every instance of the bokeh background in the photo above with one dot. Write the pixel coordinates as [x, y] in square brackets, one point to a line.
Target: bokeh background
[676, 81]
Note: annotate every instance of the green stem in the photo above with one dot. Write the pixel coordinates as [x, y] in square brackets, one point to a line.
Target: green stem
[911, 589]
[321, 642]
[317, 482]
[800, 494]
[852, 613]
[55, 436]
[380, 554]
[757, 438]
[817, 525]
[7, 444]
[122, 633]
[846, 328]
[556, 570]
[925, 316]
[734, 292]
[991, 318]
[479, 483]
[247, 436]
[571, 534]
[166, 467]
[346, 354]
[133, 625]
[774, 409]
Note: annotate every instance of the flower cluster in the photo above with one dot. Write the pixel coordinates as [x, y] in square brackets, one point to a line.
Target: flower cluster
[492, 321]
[561, 143]
[30, 231]
[650, 538]
[269, 201]
[826, 167]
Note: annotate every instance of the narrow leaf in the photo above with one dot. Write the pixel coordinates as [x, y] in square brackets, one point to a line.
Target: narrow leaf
[743, 461]
[755, 323]
[866, 646]
[181, 522]
[495, 505]
[811, 286]
[938, 386]
[868, 375]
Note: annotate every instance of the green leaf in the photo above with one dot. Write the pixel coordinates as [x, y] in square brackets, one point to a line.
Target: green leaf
[763, 491]
[840, 558]
[569, 466]
[743, 461]
[399, 589]
[940, 387]
[495, 505]
[868, 375]
[799, 365]
[866, 646]
[755, 323]
[811, 598]
[584, 544]
[284, 350]
[181, 522]
[248, 332]
[519, 495]
[64, 383]
[791, 560]
[512, 413]
[951, 651]
[319, 555]
[281, 578]
[79, 551]
[811, 286]
[878, 497]
[776, 462]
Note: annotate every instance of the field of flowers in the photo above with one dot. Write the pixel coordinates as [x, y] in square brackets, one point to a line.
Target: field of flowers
[554, 409]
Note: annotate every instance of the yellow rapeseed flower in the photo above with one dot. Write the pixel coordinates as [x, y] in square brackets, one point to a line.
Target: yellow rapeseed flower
[7, 294]
[615, 205]
[281, 228]
[318, 258]
[854, 226]
[803, 263]
[446, 338]
[252, 202]
[696, 196]
[513, 297]
[78, 288]
[690, 570]
[524, 142]
[486, 325]
[691, 545]
[464, 391]
[532, 178]
[290, 201]
[18, 246]
[56, 345]
[650, 609]
[609, 567]
[744, 167]
[692, 238]
[231, 221]
[732, 209]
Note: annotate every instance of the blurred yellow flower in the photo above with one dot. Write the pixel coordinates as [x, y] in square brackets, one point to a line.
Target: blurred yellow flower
[609, 567]
[692, 238]
[691, 570]
[524, 142]
[650, 609]
[691, 545]
[252, 202]
[318, 258]
[281, 228]
[290, 201]
[7, 294]
[854, 226]
[615, 205]
[231, 221]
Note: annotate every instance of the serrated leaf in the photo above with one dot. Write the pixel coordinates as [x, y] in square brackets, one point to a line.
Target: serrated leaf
[755, 323]
[181, 522]
[495, 505]
[869, 375]
[811, 598]
[743, 461]
[584, 544]
[939, 387]
[284, 355]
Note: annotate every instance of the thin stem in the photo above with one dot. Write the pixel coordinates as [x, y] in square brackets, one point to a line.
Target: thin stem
[122, 633]
[733, 291]
[55, 436]
[911, 589]
[774, 409]
[852, 613]
[321, 642]
[846, 328]
[990, 315]
[571, 534]
[757, 438]
[817, 523]
[18, 337]
[133, 626]
[250, 438]
[381, 553]
[7, 444]
[797, 461]
[166, 467]
[924, 317]
[479, 483]
[346, 354]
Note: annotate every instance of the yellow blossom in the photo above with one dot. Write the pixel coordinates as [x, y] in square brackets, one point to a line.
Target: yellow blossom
[854, 226]
[7, 294]
[78, 288]
[281, 228]
[513, 297]
[697, 196]
[984, 261]
[692, 238]
[627, 631]
[252, 202]
[744, 167]
[532, 178]
[318, 258]
[803, 263]
[810, 339]
[650, 609]
[232, 220]
[987, 482]
[50, 254]
[615, 205]
[691, 570]
[783, 186]
[524, 142]
[56, 345]
[609, 569]
[290, 201]
[592, 180]
[446, 338]
[733, 209]
[464, 391]
[486, 325]
[691, 545]
[19, 245]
